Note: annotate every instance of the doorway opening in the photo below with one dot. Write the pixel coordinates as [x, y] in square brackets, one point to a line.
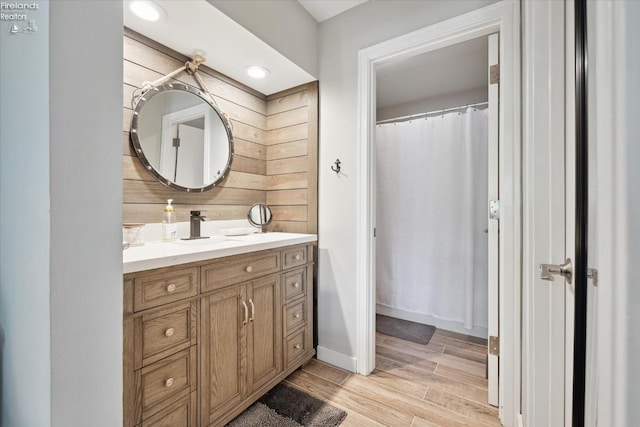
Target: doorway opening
[431, 188]
[499, 18]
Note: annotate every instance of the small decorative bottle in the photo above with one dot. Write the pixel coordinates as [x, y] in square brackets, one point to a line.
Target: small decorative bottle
[169, 225]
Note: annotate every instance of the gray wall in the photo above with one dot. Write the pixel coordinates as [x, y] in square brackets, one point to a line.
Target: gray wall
[631, 85]
[86, 213]
[25, 225]
[340, 39]
[60, 224]
[283, 24]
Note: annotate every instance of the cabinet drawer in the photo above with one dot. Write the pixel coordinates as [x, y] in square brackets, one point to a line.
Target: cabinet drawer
[294, 257]
[179, 414]
[294, 316]
[295, 283]
[167, 381]
[296, 346]
[239, 269]
[157, 289]
[167, 331]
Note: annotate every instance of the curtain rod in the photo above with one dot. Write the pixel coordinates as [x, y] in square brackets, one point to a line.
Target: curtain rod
[430, 113]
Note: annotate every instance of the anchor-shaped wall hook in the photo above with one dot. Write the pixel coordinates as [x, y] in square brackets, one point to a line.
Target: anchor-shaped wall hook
[336, 166]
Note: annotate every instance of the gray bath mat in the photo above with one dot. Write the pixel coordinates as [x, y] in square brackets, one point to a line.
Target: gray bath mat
[286, 406]
[410, 331]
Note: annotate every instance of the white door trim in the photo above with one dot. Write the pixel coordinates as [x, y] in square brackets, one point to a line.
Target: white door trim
[503, 17]
[493, 225]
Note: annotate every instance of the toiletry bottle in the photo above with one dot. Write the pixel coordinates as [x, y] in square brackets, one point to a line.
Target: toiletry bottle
[169, 225]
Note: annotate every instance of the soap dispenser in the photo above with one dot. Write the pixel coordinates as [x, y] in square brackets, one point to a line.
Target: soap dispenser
[169, 225]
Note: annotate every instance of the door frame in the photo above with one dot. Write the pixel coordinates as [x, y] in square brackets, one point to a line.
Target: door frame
[502, 17]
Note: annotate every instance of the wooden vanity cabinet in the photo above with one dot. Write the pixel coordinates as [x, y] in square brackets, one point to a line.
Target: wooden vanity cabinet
[198, 354]
[241, 344]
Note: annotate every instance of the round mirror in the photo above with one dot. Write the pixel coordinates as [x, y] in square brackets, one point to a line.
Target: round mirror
[181, 137]
[259, 215]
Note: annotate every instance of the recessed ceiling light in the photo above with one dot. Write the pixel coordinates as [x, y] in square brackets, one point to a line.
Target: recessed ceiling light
[147, 10]
[256, 71]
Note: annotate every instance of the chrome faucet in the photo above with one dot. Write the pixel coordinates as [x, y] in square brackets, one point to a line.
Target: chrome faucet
[194, 226]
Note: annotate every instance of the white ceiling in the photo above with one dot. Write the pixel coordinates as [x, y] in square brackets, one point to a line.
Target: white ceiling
[322, 10]
[195, 26]
[456, 68]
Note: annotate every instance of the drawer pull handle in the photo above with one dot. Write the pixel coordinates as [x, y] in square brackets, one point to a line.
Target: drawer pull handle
[169, 382]
[246, 313]
[171, 287]
[253, 310]
[169, 332]
[298, 257]
[249, 269]
[297, 346]
[296, 285]
[297, 315]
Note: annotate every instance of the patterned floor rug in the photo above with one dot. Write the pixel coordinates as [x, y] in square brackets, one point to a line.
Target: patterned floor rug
[286, 406]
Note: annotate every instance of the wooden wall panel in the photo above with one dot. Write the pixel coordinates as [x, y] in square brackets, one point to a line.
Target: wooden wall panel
[292, 157]
[275, 147]
[144, 197]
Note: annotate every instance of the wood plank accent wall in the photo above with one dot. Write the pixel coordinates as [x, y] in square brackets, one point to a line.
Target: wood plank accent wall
[275, 148]
[292, 159]
[143, 196]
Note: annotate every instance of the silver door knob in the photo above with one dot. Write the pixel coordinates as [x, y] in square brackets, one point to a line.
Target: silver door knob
[547, 271]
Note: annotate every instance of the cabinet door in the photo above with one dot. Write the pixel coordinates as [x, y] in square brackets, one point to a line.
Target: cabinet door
[222, 344]
[264, 339]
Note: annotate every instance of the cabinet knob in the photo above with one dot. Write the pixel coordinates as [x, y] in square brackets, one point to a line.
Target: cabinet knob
[297, 315]
[296, 285]
[169, 332]
[249, 269]
[297, 346]
[298, 257]
[171, 287]
[169, 382]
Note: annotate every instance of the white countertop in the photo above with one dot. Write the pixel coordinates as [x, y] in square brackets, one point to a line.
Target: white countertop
[165, 254]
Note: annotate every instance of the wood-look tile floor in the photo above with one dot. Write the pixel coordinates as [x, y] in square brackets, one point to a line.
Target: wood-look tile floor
[441, 384]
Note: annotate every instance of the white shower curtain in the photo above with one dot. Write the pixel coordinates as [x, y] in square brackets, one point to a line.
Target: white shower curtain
[431, 214]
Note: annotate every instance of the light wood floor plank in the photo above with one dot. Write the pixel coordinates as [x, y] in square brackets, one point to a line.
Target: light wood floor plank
[461, 337]
[356, 402]
[419, 422]
[473, 410]
[448, 342]
[466, 354]
[431, 380]
[462, 376]
[440, 384]
[414, 406]
[326, 371]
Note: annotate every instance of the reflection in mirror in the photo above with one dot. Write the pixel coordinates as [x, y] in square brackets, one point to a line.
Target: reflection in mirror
[181, 137]
[260, 216]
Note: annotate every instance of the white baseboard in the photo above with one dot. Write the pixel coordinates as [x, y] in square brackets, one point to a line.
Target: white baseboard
[447, 325]
[336, 359]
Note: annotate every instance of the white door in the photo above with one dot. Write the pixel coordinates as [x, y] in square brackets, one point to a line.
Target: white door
[493, 222]
[190, 159]
[548, 213]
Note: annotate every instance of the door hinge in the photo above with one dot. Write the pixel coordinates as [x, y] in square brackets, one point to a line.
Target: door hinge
[494, 74]
[494, 345]
[374, 232]
[494, 209]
